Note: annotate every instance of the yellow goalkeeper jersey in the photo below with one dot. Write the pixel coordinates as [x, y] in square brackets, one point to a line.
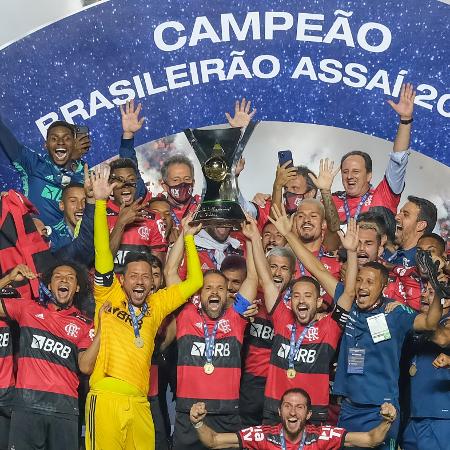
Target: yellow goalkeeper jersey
[118, 356]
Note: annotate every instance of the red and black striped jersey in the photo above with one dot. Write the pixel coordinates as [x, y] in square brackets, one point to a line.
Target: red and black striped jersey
[143, 237]
[220, 389]
[269, 438]
[6, 365]
[50, 340]
[258, 341]
[311, 362]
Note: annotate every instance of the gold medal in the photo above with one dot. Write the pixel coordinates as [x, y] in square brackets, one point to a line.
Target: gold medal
[139, 342]
[413, 370]
[208, 368]
[291, 373]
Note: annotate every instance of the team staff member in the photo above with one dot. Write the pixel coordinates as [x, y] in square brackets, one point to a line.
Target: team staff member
[305, 341]
[429, 423]
[356, 169]
[293, 432]
[55, 343]
[371, 349]
[132, 228]
[117, 409]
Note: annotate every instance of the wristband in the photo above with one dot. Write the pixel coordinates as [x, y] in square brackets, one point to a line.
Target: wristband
[406, 121]
[198, 424]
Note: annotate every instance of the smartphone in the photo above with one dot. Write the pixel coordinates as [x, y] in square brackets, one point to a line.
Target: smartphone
[284, 156]
[82, 129]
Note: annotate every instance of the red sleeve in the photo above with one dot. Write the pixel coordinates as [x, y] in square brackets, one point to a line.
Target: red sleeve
[331, 438]
[86, 337]
[252, 438]
[384, 196]
[262, 214]
[13, 308]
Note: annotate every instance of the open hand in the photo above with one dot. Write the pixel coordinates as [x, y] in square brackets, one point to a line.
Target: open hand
[242, 114]
[282, 222]
[99, 179]
[327, 172]
[350, 240]
[189, 229]
[130, 119]
[405, 106]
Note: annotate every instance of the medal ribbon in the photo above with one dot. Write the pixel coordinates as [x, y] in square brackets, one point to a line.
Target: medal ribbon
[295, 346]
[359, 207]
[300, 446]
[135, 320]
[210, 340]
[302, 267]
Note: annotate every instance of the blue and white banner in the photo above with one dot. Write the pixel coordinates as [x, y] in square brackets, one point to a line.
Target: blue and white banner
[322, 62]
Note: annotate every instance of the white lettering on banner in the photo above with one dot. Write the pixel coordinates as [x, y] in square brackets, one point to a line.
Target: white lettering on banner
[220, 349]
[303, 355]
[51, 346]
[343, 31]
[4, 339]
[170, 36]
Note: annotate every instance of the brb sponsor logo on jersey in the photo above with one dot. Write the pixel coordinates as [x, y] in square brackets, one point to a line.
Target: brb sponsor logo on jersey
[51, 346]
[261, 331]
[4, 339]
[303, 354]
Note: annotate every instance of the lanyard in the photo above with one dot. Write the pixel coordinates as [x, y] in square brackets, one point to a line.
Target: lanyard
[302, 267]
[210, 339]
[295, 346]
[287, 295]
[359, 207]
[283, 441]
[135, 320]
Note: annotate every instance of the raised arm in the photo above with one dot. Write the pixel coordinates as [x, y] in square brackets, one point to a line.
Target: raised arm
[324, 182]
[350, 243]
[131, 124]
[249, 286]
[284, 225]
[429, 321]
[19, 272]
[283, 175]
[176, 253]
[271, 293]
[375, 436]
[404, 108]
[208, 437]
[104, 262]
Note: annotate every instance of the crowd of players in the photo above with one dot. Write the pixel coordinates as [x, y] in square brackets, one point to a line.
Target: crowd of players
[322, 323]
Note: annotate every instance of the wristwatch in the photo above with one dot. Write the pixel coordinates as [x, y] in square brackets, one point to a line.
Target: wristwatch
[406, 121]
[198, 424]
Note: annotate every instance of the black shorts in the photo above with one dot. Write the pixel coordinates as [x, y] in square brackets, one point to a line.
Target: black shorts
[185, 436]
[31, 430]
[158, 423]
[251, 399]
[5, 419]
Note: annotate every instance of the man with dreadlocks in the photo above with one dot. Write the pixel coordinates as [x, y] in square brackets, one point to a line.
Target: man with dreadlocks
[56, 341]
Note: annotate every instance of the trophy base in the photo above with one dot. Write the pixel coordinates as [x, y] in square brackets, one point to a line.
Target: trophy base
[220, 213]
